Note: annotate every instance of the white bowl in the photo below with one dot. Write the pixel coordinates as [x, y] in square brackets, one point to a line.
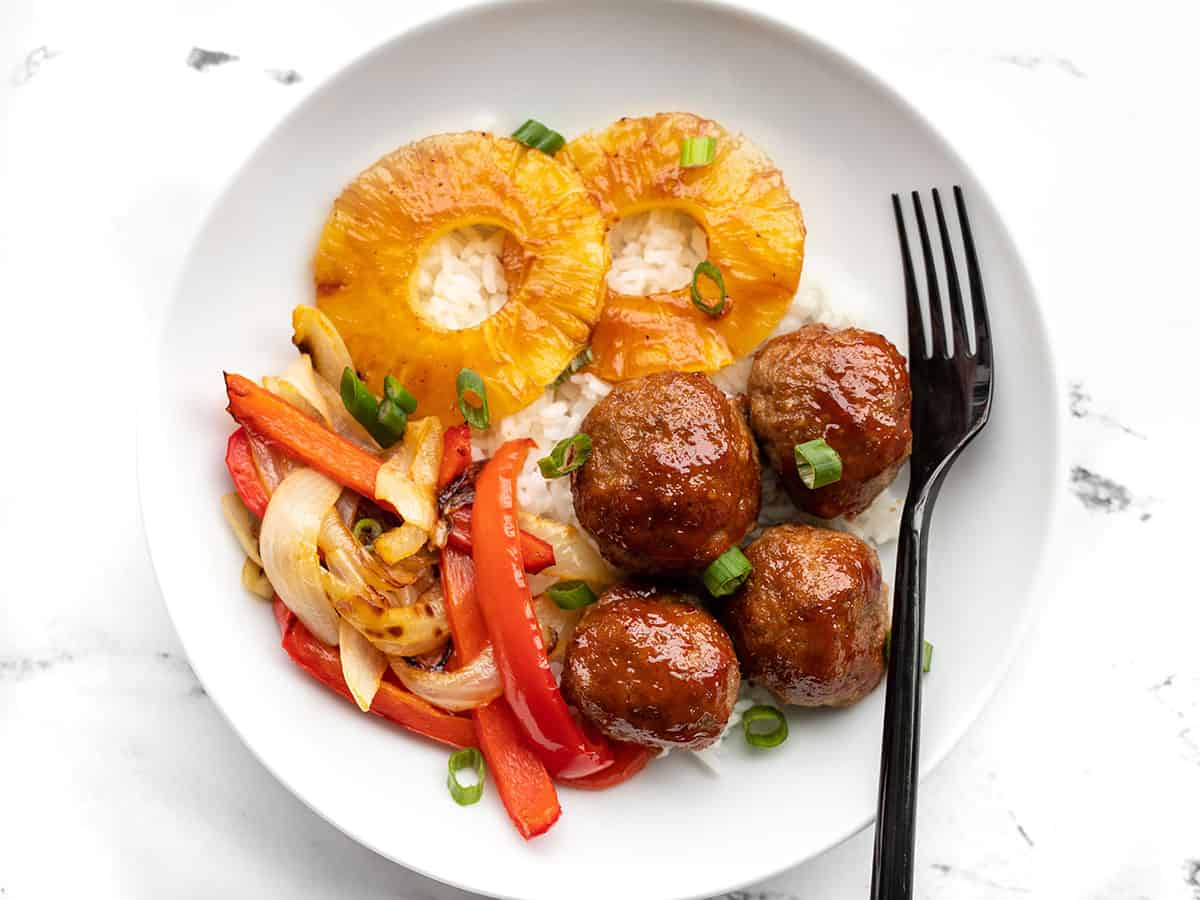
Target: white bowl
[844, 142]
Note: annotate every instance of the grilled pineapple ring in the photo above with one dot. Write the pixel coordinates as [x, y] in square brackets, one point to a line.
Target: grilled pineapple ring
[755, 237]
[371, 247]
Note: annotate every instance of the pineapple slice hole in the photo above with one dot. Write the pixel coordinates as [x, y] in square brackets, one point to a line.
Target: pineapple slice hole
[466, 275]
[655, 251]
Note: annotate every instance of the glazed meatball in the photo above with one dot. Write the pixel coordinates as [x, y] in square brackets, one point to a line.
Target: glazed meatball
[849, 387]
[652, 667]
[809, 623]
[673, 480]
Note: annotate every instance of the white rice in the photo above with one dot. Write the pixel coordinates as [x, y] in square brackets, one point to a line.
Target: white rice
[461, 281]
[557, 414]
[655, 251]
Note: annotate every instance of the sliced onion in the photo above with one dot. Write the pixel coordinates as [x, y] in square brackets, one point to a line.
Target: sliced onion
[558, 625]
[313, 333]
[255, 580]
[243, 523]
[408, 478]
[362, 665]
[574, 556]
[399, 611]
[475, 684]
[288, 544]
[300, 375]
[273, 466]
[340, 419]
[354, 563]
[399, 543]
[287, 392]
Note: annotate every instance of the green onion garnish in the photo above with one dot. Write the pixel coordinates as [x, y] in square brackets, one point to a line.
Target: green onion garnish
[384, 421]
[818, 464]
[366, 530]
[536, 135]
[697, 151]
[398, 394]
[753, 721]
[465, 794]
[392, 417]
[567, 456]
[713, 274]
[583, 359]
[926, 651]
[571, 594]
[472, 398]
[726, 573]
[359, 401]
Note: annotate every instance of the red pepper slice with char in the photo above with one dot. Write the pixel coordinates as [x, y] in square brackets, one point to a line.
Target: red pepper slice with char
[239, 460]
[507, 605]
[391, 702]
[456, 453]
[536, 553]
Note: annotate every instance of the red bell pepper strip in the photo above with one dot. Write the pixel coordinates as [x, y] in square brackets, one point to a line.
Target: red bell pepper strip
[507, 606]
[391, 702]
[307, 440]
[239, 460]
[524, 784]
[628, 760]
[456, 453]
[536, 553]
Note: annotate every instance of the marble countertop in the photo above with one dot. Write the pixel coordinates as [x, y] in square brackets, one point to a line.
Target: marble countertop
[119, 121]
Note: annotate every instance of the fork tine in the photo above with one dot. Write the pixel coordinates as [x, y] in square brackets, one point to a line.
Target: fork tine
[958, 318]
[937, 322]
[983, 333]
[916, 328]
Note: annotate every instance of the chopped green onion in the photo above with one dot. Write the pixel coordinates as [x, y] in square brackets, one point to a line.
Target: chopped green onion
[392, 419]
[713, 274]
[398, 394]
[384, 421]
[536, 135]
[472, 398]
[465, 794]
[757, 716]
[726, 573]
[697, 151]
[818, 464]
[567, 456]
[584, 358]
[571, 594]
[366, 530]
[926, 651]
[359, 401]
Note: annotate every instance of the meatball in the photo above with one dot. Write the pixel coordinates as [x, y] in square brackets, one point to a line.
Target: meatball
[809, 623]
[673, 480]
[849, 387]
[650, 666]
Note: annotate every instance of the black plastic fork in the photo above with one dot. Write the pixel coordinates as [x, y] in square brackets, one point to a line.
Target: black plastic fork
[952, 397]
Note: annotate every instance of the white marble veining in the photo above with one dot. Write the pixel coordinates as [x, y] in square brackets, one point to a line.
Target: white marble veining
[119, 121]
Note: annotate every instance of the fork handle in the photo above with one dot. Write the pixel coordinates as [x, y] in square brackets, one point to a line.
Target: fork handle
[895, 829]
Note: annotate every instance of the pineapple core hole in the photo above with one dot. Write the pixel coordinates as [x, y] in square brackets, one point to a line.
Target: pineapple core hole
[465, 276]
[655, 251]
